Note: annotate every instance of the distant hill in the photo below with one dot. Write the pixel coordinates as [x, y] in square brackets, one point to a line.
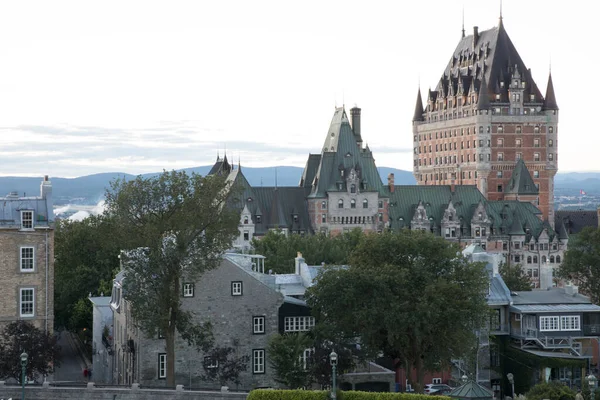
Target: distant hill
[90, 189]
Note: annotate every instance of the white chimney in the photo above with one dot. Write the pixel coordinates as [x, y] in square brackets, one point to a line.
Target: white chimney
[298, 262]
[546, 272]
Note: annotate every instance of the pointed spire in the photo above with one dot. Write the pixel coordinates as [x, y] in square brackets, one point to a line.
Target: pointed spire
[500, 21]
[239, 163]
[218, 158]
[463, 22]
[550, 99]
[418, 116]
[483, 100]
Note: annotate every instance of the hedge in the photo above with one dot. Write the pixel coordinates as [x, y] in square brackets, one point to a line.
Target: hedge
[270, 394]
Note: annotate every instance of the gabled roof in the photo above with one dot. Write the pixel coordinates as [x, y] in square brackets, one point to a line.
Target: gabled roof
[310, 170]
[550, 100]
[517, 226]
[418, 115]
[521, 182]
[221, 166]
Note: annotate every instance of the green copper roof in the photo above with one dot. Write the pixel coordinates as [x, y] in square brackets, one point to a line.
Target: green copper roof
[521, 181]
[471, 390]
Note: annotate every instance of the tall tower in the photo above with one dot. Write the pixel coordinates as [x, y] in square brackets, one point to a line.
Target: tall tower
[485, 114]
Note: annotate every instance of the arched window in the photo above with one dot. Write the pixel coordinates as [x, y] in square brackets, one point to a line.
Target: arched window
[352, 203]
[340, 203]
[245, 220]
[551, 259]
[353, 188]
[528, 259]
[535, 259]
[558, 259]
[543, 259]
[365, 203]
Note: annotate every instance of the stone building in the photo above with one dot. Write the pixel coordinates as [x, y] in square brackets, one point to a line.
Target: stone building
[27, 258]
[486, 121]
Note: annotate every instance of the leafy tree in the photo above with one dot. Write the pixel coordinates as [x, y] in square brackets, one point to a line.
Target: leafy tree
[41, 348]
[221, 365]
[514, 277]
[551, 391]
[582, 262]
[286, 357]
[183, 226]
[281, 250]
[408, 295]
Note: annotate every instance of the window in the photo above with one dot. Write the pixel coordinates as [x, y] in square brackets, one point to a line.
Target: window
[549, 324]
[352, 203]
[536, 142]
[323, 218]
[536, 156]
[499, 188]
[27, 259]
[258, 219]
[536, 174]
[500, 142]
[246, 236]
[305, 358]
[211, 362]
[27, 302]
[365, 203]
[558, 259]
[340, 203]
[499, 174]
[298, 324]
[236, 288]
[550, 156]
[188, 290]
[258, 361]
[436, 381]
[380, 204]
[353, 188]
[27, 219]
[528, 259]
[162, 366]
[519, 156]
[517, 142]
[258, 325]
[500, 156]
[324, 205]
[550, 129]
[569, 323]
[245, 220]
[550, 143]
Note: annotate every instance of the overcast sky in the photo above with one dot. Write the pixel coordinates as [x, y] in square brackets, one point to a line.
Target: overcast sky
[88, 87]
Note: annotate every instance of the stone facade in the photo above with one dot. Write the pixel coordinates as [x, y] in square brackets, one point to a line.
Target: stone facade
[27, 258]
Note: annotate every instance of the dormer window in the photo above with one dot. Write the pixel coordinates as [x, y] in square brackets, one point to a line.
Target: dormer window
[258, 219]
[353, 188]
[27, 219]
[245, 220]
[342, 173]
[295, 217]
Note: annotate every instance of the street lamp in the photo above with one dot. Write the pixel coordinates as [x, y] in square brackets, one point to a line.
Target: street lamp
[592, 382]
[464, 379]
[511, 380]
[333, 358]
[24, 358]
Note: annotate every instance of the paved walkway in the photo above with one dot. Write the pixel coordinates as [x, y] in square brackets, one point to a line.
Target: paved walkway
[72, 364]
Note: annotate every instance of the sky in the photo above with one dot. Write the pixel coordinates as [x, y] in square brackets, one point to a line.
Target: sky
[141, 86]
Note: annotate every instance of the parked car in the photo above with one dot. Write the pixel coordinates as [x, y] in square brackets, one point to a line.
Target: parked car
[437, 389]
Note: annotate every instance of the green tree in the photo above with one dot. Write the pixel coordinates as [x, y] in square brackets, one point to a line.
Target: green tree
[514, 277]
[286, 356]
[221, 365]
[41, 348]
[183, 226]
[582, 262]
[408, 295]
[551, 391]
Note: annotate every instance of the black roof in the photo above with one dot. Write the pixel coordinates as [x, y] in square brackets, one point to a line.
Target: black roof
[550, 101]
[576, 220]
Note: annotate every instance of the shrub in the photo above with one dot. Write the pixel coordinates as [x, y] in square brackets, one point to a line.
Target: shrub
[268, 394]
[551, 391]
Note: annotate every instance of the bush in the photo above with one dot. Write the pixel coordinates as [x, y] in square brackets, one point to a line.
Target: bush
[268, 394]
[551, 391]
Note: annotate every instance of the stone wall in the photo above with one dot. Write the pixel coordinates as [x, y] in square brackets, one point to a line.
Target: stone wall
[111, 393]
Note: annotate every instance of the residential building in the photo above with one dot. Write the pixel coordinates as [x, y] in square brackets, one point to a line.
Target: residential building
[102, 342]
[27, 258]
[485, 120]
[244, 303]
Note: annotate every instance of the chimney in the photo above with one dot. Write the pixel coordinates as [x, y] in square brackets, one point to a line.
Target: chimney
[355, 115]
[391, 182]
[546, 281]
[475, 36]
[298, 261]
[46, 193]
[452, 186]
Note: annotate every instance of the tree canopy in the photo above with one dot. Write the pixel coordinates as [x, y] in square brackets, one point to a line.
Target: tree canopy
[183, 226]
[582, 262]
[515, 278]
[41, 348]
[409, 295]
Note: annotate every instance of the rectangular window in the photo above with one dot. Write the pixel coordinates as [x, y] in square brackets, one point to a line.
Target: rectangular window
[258, 325]
[380, 204]
[517, 142]
[499, 188]
[549, 323]
[519, 156]
[258, 361]
[27, 219]
[323, 218]
[298, 324]
[324, 205]
[500, 156]
[188, 290]
[27, 259]
[27, 302]
[499, 174]
[162, 366]
[569, 323]
[536, 142]
[211, 362]
[246, 236]
[258, 219]
[536, 174]
[236, 288]
[536, 156]
[436, 381]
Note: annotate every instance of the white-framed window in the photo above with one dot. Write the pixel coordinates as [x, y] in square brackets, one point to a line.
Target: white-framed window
[211, 362]
[27, 219]
[305, 357]
[258, 361]
[518, 316]
[236, 288]
[570, 323]
[162, 366]
[188, 290]
[436, 381]
[549, 323]
[27, 259]
[27, 302]
[258, 324]
[298, 324]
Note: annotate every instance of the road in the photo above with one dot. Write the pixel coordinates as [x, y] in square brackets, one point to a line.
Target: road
[71, 365]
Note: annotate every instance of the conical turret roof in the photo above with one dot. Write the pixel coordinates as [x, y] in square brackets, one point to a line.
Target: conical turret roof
[418, 116]
[550, 100]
